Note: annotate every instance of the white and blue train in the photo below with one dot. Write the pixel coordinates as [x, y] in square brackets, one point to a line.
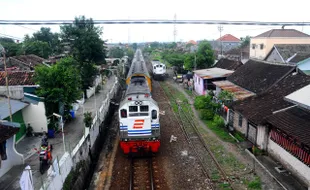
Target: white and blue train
[158, 70]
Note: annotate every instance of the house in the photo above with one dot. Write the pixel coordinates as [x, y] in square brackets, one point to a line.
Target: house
[239, 53]
[262, 44]
[228, 64]
[9, 157]
[284, 53]
[203, 79]
[23, 62]
[21, 87]
[248, 115]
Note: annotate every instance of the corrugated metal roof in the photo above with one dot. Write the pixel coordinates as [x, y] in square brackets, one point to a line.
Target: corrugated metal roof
[15, 106]
[239, 92]
[300, 97]
[213, 73]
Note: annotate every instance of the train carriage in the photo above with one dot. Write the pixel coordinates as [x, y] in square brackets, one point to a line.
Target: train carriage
[139, 112]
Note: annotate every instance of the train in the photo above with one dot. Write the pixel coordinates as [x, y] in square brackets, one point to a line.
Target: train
[158, 70]
[139, 127]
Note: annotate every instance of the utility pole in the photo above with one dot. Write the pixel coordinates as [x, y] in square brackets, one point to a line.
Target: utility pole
[6, 81]
[220, 28]
[175, 28]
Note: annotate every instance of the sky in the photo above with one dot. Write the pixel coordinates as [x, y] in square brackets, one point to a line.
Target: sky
[237, 10]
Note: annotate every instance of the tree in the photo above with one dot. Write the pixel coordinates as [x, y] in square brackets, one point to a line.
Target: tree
[116, 52]
[52, 39]
[84, 37]
[39, 48]
[245, 41]
[88, 73]
[59, 84]
[130, 53]
[134, 46]
[205, 55]
[225, 96]
[10, 47]
[189, 61]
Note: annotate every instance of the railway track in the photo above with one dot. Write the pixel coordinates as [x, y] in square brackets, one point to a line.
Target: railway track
[141, 174]
[209, 164]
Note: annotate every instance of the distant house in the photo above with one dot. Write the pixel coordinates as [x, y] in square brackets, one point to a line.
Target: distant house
[228, 42]
[228, 64]
[239, 53]
[203, 79]
[262, 44]
[8, 155]
[23, 62]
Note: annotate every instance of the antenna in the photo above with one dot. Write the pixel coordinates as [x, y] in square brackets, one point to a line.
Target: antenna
[220, 28]
[175, 27]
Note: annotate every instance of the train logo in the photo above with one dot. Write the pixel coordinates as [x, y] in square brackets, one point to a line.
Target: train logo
[138, 124]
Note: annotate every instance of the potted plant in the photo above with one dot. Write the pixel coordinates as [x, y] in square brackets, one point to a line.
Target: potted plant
[88, 119]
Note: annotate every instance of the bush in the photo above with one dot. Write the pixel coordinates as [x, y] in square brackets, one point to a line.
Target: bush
[206, 114]
[218, 121]
[201, 102]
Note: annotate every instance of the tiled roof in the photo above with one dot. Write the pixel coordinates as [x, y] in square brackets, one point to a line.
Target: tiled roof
[295, 122]
[228, 38]
[288, 50]
[30, 60]
[257, 76]
[228, 64]
[278, 33]
[17, 78]
[7, 131]
[192, 42]
[258, 107]
[300, 57]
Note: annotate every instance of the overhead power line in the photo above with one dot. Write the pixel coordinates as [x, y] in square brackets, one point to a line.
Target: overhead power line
[150, 21]
[9, 36]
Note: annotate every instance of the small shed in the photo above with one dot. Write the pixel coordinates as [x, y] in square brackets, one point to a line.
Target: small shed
[204, 78]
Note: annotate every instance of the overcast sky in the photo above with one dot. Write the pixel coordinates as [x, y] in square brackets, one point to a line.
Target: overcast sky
[237, 10]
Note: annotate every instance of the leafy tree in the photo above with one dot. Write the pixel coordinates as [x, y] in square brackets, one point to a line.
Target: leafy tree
[172, 45]
[189, 61]
[134, 46]
[245, 41]
[10, 46]
[58, 84]
[88, 73]
[39, 48]
[205, 55]
[225, 96]
[45, 35]
[116, 52]
[155, 45]
[85, 40]
[130, 53]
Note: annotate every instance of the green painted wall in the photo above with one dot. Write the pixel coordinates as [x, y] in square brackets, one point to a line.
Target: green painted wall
[18, 118]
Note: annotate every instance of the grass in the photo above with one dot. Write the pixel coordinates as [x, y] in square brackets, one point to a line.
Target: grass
[220, 132]
[239, 136]
[255, 184]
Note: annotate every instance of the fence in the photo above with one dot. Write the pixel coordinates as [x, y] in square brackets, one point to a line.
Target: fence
[62, 167]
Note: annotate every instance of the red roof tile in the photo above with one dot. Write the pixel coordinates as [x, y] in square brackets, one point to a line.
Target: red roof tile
[17, 78]
[228, 38]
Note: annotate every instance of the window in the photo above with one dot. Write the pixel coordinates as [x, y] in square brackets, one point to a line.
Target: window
[261, 46]
[154, 114]
[240, 120]
[160, 66]
[253, 46]
[133, 108]
[144, 108]
[124, 113]
[154, 67]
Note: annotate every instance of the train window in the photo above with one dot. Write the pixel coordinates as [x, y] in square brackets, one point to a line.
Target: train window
[144, 108]
[124, 113]
[154, 114]
[154, 67]
[133, 108]
[160, 66]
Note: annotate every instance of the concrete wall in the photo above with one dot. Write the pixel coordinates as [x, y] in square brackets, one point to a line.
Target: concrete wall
[198, 85]
[91, 91]
[244, 125]
[268, 44]
[14, 158]
[274, 57]
[291, 163]
[16, 92]
[35, 115]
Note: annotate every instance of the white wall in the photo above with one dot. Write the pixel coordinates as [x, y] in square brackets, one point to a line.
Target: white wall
[14, 158]
[35, 115]
[262, 137]
[291, 163]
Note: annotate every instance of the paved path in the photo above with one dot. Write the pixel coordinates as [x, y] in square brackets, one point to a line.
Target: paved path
[73, 132]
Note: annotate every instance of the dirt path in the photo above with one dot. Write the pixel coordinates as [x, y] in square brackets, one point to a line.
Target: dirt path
[237, 151]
